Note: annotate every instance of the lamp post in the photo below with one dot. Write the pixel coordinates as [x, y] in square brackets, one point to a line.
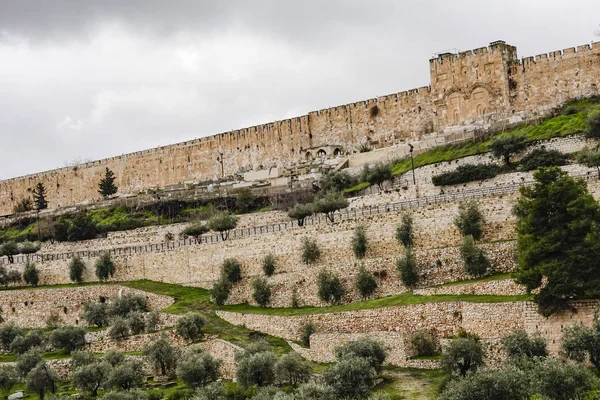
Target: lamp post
[412, 161]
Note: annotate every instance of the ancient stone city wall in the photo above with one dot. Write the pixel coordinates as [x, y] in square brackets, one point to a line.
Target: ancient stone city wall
[478, 86]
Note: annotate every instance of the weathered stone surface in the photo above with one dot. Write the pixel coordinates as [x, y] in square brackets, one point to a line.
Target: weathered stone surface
[486, 88]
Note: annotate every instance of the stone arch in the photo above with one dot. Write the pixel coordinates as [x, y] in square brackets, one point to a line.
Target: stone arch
[308, 156]
[456, 117]
[337, 152]
[454, 104]
[321, 153]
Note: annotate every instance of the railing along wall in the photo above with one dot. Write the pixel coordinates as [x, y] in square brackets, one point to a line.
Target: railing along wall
[346, 214]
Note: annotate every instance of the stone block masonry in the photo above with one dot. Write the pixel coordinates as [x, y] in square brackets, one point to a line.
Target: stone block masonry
[470, 90]
[31, 308]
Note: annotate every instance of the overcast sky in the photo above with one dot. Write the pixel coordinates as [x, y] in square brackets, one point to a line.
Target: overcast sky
[92, 79]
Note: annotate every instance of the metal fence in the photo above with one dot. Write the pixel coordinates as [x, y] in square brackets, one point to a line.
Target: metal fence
[346, 214]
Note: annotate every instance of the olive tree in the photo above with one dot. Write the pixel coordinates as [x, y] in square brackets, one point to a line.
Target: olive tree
[197, 368]
[262, 291]
[359, 242]
[189, 326]
[404, 231]
[352, 377]
[91, 377]
[257, 369]
[42, 379]
[370, 350]
[469, 220]
[105, 267]
[505, 383]
[330, 287]
[162, 355]
[330, 203]
[222, 222]
[126, 375]
[462, 355]
[310, 250]
[292, 369]
[95, 313]
[580, 342]
[76, 269]
[300, 212]
[68, 338]
[505, 146]
[475, 260]
[365, 283]
[519, 344]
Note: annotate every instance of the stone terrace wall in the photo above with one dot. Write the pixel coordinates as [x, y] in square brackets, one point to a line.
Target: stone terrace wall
[31, 308]
[503, 287]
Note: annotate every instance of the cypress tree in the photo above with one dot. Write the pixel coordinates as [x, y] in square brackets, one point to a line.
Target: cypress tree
[107, 185]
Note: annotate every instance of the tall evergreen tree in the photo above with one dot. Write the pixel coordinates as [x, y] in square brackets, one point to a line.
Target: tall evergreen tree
[107, 185]
[39, 197]
[558, 239]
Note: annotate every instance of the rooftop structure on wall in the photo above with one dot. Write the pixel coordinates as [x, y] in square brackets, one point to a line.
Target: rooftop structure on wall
[469, 90]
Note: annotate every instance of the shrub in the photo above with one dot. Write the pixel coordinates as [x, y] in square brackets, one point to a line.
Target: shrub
[220, 290]
[162, 355]
[89, 378]
[22, 344]
[76, 269]
[152, 321]
[68, 338]
[41, 379]
[404, 232]
[189, 326]
[212, 391]
[262, 291]
[113, 357]
[300, 212]
[9, 249]
[29, 248]
[466, 173]
[8, 277]
[580, 342]
[336, 182]
[592, 125]
[505, 146]
[222, 222]
[422, 343]
[136, 394]
[350, 378]
[256, 369]
[462, 355]
[330, 203]
[31, 274]
[307, 330]
[408, 269]
[81, 227]
[24, 205]
[554, 379]
[8, 333]
[474, 258]
[365, 283]
[313, 390]
[244, 200]
[364, 348]
[135, 322]
[377, 174]
[125, 304]
[590, 158]
[197, 368]
[81, 358]
[469, 220]
[505, 383]
[8, 377]
[295, 299]
[543, 158]
[519, 344]
[231, 270]
[310, 250]
[27, 361]
[195, 230]
[269, 263]
[105, 267]
[292, 369]
[126, 375]
[330, 288]
[359, 242]
[95, 313]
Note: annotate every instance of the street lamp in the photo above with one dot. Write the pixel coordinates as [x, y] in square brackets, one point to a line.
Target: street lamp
[412, 161]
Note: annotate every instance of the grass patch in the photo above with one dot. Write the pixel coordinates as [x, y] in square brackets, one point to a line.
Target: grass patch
[490, 278]
[198, 300]
[409, 383]
[357, 188]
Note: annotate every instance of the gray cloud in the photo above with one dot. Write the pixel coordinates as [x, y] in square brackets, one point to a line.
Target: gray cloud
[88, 79]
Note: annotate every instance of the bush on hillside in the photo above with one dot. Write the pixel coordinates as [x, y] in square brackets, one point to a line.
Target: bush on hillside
[310, 250]
[359, 242]
[351, 378]
[220, 291]
[330, 287]
[466, 173]
[269, 263]
[404, 232]
[408, 269]
[423, 343]
[469, 220]
[292, 369]
[128, 303]
[365, 283]
[505, 146]
[76, 269]
[190, 326]
[307, 330]
[592, 125]
[475, 260]
[31, 275]
[197, 368]
[377, 174]
[543, 158]
[257, 369]
[222, 222]
[519, 344]
[231, 270]
[105, 267]
[330, 203]
[300, 212]
[365, 348]
[195, 230]
[68, 338]
[262, 291]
